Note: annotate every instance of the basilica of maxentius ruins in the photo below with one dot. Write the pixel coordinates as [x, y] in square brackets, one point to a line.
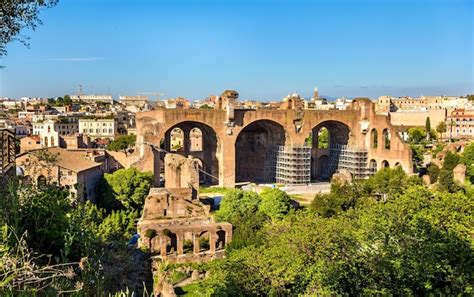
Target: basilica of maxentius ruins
[245, 145]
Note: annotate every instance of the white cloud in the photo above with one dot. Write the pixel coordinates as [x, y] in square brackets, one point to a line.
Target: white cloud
[76, 59]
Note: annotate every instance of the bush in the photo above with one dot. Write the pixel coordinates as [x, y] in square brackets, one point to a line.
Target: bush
[433, 172]
[275, 203]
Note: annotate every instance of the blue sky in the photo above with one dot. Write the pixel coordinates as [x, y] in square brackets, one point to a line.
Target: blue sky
[263, 49]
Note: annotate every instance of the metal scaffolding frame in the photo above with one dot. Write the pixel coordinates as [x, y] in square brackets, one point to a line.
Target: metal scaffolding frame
[292, 164]
[353, 160]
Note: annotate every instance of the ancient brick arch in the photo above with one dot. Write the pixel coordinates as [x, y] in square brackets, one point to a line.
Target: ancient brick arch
[209, 151]
[254, 146]
[225, 126]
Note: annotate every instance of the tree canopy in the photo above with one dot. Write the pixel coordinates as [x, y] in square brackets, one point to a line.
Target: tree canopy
[122, 143]
[418, 243]
[127, 186]
[17, 15]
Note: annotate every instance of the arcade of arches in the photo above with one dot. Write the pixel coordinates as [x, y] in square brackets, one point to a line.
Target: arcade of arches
[189, 139]
[236, 145]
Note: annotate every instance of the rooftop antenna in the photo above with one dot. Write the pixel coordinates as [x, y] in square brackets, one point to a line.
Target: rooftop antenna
[80, 90]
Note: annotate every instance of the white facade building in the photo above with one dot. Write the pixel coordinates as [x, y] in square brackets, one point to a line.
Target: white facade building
[92, 98]
[98, 128]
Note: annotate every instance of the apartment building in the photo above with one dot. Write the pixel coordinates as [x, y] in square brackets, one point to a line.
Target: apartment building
[460, 123]
[98, 127]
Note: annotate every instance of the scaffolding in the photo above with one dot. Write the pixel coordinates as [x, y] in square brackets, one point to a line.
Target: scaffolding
[353, 160]
[7, 158]
[292, 164]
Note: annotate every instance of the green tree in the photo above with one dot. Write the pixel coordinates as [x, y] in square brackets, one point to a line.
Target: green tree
[467, 159]
[123, 143]
[127, 186]
[441, 128]
[417, 155]
[343, 196]
[401, 247]
[323, 138]
[118, 226]
[428, 127]
[236, 204]
[275, 203]
[451, 160]
[416, 135]
[18, 15]
[67, 100]
[433, 172]
[205, 106]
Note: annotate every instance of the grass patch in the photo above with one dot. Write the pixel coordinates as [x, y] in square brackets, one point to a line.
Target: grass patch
[188, 290]
[214, 190]
[177, 276]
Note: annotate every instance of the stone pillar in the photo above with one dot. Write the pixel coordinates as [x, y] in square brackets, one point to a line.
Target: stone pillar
[212, 242]
[157, 164]
[163, 246]
[186, 140]
[195, 244]
[226, 158]
[180, 243]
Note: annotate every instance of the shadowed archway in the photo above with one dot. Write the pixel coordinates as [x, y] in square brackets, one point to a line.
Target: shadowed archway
[324, 158]
[254, 151]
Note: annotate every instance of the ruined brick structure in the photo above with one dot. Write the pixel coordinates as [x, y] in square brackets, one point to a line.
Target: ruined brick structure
[237, 144]
[175, 225]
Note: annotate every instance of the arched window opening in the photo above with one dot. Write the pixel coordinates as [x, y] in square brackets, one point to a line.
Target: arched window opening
[220, 242]
[373, 165]
[195, 137]
[385, 164]
[374, 138]
[177, 140]
[203, 241]
[41, 181]
[386, 139]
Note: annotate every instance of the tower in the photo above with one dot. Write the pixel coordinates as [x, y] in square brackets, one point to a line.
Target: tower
[315, 93]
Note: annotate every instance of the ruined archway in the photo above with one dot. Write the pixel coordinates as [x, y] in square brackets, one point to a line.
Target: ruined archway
[325, 158]
[176, 140]
[206, 150]
[220, 240]
[254, 149]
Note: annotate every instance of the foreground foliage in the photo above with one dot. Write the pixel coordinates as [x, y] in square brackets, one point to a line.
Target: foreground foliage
[387, 235]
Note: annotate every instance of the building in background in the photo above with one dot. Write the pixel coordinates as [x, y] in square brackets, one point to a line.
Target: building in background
[98, 128]
[77, 171]
[92, 98]
[135, 103]
[460, 123]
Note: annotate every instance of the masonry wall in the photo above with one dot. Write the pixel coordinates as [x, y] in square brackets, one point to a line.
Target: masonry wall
[360, 118]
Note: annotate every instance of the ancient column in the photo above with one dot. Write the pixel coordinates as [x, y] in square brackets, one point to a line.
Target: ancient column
[196, 248]
[163, 246]
[212, 242]
[179, 243]
[186, 140]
